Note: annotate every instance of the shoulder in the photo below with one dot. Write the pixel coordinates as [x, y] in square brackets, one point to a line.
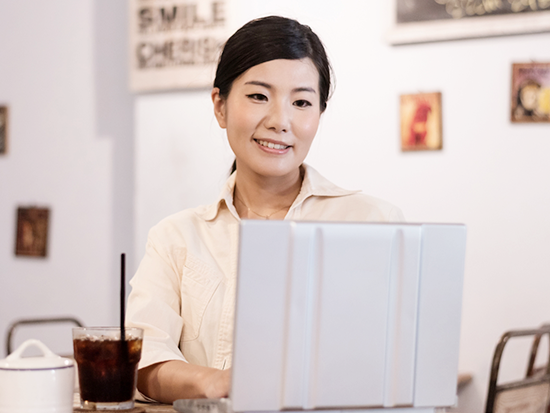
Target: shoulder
[353, 207]
[192, 220]
[177, 227]
[322, 200]
[377, 208]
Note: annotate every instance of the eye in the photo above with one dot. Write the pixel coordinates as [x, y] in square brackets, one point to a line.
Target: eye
[257, 96]
[302, 103]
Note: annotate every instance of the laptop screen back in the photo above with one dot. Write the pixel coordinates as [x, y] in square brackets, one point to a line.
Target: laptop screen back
[347, 315]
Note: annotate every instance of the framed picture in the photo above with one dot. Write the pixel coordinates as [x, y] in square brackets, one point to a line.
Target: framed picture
[3, 130]
[421, 128]
[530, 100]
[418, 21]
[32, 232]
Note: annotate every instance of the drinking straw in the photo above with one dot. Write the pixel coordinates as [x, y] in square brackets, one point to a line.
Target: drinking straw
[122, 295]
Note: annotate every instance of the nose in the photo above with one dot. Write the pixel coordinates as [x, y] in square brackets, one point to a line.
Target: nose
[278, 118]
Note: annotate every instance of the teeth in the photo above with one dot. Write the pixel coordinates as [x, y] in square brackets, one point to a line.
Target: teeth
[272, 145]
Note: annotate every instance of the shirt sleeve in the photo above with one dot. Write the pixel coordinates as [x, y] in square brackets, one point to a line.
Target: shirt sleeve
[155, 301]
[396, 215]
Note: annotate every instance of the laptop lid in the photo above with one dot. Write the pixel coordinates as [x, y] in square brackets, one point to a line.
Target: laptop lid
[347, 315]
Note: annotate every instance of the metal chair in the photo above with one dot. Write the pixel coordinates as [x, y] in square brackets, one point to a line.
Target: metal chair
[36, 322]
[529, 395]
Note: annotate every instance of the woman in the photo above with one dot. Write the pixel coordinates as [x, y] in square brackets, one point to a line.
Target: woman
[271, 87]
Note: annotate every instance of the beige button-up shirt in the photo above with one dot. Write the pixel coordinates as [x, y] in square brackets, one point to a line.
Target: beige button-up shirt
[183, 292]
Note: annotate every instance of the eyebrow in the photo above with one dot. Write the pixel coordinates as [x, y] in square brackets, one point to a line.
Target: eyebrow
[268, 86]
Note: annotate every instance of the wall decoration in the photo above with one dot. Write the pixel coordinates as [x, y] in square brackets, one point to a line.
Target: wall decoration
[3, 130]
[530, 92]
[32, 231]
[417, 21]
[421, 122]
[175, 44]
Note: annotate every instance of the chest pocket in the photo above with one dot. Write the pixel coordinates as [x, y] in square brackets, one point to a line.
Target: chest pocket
[198, 285]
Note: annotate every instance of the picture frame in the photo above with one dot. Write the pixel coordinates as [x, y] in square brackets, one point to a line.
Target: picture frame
[3, 129]
[419, 21]
[530, 92]
[32, 231]
[421, 122]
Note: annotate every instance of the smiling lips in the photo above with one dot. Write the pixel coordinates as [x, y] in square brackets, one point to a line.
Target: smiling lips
[270, 145]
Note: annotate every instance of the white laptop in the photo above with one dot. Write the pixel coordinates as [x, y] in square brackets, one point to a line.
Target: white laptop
[345, 316]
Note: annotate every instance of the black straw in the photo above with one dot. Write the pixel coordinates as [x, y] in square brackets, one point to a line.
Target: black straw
[122, 295]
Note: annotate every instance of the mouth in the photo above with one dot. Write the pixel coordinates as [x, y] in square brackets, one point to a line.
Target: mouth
[271, 145]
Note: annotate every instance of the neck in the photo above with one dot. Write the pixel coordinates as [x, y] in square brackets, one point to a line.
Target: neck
[258, 197]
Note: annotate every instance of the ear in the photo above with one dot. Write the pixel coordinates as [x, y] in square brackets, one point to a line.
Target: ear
[219, 107]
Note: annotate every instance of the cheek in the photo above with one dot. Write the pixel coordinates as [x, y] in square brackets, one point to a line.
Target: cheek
[240, 120]
[307, 127]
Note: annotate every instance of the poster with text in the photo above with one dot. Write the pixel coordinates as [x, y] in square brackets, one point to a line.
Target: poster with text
[175, 44]
[417, 21]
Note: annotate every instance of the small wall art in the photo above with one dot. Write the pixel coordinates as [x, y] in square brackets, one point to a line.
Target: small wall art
[530, 92]
[421, 122]
[32, 232]
[3, 130]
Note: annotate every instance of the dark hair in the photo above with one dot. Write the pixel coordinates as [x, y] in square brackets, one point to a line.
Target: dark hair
[270, 38]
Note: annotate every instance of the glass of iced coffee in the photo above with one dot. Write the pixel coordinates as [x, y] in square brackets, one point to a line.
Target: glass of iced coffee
[107, 366]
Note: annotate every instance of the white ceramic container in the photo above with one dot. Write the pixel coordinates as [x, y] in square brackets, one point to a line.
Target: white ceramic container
[36, 384]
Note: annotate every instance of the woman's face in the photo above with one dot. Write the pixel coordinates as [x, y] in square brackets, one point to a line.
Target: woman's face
[271, 115]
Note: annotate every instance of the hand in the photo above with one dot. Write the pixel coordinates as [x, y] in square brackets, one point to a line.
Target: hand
[217, 384]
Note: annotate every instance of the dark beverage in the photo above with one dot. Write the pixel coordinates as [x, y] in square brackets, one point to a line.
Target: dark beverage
[107, 368]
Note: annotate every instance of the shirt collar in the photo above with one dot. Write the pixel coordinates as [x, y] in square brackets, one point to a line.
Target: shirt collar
[314, 184]
[225, 197]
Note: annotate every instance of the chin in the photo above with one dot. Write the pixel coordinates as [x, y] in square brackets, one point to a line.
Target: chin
[277, 170]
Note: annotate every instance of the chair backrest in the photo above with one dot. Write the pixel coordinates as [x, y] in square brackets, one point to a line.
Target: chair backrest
[39, 328]
[529, 395]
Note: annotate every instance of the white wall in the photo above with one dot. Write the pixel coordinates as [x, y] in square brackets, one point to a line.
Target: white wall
[65, 153]
[182, 158]
[491, 175]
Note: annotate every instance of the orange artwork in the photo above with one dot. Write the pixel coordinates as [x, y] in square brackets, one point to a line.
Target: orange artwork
[421, 122]
[32, 231]
[530, 92]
